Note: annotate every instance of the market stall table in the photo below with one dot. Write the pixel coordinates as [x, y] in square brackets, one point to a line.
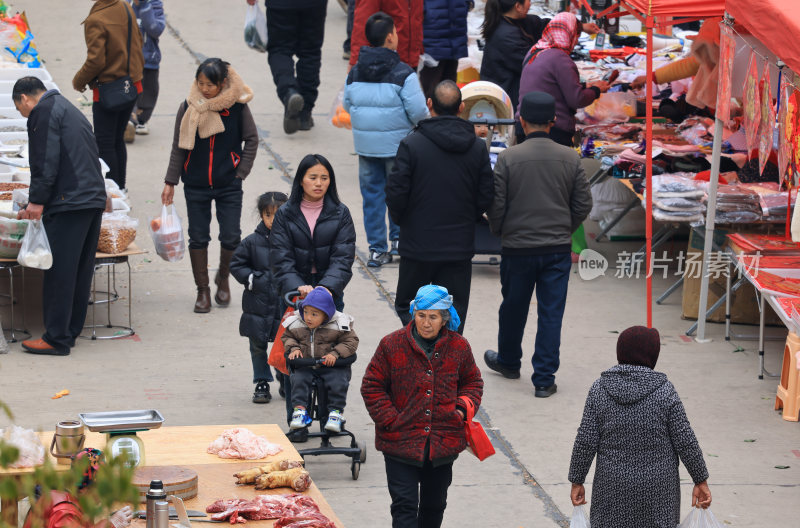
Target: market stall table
[9, 264]
[186, 446]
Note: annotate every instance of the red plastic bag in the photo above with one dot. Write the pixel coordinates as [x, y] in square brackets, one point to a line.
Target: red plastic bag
[477, 439]
[277, 354]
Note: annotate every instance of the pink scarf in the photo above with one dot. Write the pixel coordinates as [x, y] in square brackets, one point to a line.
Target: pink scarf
[561, 33]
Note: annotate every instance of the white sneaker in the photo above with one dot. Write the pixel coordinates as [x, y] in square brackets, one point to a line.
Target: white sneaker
[142, 130]
[335, 422]
[300, 419]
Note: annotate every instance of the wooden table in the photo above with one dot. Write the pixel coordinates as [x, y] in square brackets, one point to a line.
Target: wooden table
[186, 446]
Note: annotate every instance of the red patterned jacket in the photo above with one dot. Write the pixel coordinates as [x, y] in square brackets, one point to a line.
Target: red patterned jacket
[411, 398]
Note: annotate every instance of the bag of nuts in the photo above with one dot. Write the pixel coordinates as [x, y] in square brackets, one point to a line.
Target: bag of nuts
[116, 233]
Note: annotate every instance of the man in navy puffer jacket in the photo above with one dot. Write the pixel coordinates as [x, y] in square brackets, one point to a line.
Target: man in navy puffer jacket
[444, 37]
[385, 102]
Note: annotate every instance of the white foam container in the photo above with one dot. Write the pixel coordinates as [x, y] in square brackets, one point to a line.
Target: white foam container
[6, 87]
[12, 74]
[9, 112]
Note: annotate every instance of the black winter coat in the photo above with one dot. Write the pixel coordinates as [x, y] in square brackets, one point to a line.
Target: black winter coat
[444, 29]
[440, 185]
[65, 166]
[506, 48]
[261, 307]
[332, 249]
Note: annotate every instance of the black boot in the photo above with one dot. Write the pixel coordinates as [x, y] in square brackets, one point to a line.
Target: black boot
[292, 106]
[223, 295]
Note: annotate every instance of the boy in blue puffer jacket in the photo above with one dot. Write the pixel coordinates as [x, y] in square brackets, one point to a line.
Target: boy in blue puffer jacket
[385, 102]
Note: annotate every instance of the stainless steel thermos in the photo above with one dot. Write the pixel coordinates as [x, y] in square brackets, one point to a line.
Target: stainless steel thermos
[155, 494]
[162, 514]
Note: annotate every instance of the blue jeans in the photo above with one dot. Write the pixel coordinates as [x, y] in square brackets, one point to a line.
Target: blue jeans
[520, 275]
[259, 356]
[228, 203]
[372, 174]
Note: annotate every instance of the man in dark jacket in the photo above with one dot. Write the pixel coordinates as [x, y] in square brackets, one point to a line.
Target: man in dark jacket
[440, 185]
[296, 28]
[68, 193]
[444, 38]
[541, 196]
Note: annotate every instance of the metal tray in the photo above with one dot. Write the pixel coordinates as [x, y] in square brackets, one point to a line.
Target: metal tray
[102, 422]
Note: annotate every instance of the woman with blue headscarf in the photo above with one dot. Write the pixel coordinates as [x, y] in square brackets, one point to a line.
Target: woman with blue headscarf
[411, 389]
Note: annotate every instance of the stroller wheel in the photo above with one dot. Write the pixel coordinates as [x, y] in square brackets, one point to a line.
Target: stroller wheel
[355, 469]
[362, 457]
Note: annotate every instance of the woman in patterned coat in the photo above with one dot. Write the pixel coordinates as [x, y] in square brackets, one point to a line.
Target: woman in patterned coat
[635, 423]
[411, 390]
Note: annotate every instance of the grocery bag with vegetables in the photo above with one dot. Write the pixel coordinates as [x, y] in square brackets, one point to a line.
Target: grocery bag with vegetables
[167, 234]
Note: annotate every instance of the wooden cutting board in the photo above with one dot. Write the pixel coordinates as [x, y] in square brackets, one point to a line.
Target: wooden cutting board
[178, 481]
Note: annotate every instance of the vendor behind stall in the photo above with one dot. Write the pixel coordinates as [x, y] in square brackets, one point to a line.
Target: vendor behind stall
[509, 32]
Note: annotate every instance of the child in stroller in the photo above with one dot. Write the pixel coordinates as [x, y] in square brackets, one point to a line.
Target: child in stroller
[317, 331]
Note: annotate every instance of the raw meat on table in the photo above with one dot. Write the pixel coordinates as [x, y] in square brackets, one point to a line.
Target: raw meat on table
[242, 443]
[285, 508]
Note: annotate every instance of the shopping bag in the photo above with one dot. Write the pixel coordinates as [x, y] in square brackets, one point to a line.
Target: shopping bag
[35, 251]
[255, 29]
[579, 517]
[700, 518]
[167, 234]
[338, 116]
[277, 354]
[477, 439]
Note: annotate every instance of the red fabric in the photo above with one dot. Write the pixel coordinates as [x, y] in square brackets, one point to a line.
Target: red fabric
[61, 511]
[398, 391]
[685, 8]
[407, 16]
[776, 23]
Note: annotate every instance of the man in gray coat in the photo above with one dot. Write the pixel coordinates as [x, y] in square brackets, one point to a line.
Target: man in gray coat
[541, 196]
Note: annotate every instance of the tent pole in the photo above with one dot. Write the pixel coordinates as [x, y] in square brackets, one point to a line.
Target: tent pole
[649, 171]
[711, 213]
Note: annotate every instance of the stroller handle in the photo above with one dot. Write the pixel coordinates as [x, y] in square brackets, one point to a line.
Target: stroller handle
[311, 362]
[291, 298]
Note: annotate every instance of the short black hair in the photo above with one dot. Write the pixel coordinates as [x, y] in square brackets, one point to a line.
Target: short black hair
[446, 98]
[27, 86]
[312, 160]
[272, 199]
[215, 70]
[378, 27]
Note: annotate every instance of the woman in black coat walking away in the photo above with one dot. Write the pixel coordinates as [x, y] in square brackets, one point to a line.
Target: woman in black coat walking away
[261, 304]
[634, 422]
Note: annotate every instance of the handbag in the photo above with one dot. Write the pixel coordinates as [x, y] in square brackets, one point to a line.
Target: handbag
[477, 439]
[119, 93]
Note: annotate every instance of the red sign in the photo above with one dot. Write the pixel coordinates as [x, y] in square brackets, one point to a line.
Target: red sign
[767, 126]
[752, 104]
[727, 49]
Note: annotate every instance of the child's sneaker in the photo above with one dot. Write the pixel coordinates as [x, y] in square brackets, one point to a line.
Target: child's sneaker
[335, 422]
[262, 394]
[300, 419]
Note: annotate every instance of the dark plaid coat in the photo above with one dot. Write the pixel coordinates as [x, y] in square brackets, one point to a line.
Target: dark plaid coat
[412, 399]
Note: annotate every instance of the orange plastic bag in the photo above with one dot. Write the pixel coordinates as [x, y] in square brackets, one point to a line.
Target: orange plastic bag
[277, 354]
[477, 439]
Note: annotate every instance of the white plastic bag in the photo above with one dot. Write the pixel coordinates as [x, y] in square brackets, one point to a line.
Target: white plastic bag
[35, 251]
[167, 234]
[579, 518]
[700, 518]
[31, 450]
[338, 116]
[255, 29]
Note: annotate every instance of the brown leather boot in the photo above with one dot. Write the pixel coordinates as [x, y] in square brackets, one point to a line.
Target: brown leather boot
[223, 295]
[199, 259]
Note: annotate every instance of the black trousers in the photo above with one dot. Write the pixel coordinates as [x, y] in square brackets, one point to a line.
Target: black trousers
[296, 32]
[430, 77]
[336, 379]
[456, 276]
[149, 96]
[228, 204]
[109, 131]
[419, 494]
[351, 9]
[65, 290]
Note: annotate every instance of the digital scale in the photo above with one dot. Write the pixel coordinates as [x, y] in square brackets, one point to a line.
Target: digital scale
[121, 428]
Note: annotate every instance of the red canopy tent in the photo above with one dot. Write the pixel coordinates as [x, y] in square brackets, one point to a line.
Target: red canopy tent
[776, 23]
[648, 12]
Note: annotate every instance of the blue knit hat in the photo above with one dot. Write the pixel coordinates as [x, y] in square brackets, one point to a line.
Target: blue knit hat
[320, 299]
[432, 297]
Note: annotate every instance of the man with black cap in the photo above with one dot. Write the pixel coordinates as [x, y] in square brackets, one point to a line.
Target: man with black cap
[541, 196]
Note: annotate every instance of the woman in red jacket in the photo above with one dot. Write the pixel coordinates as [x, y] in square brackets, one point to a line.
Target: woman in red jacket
[411, 389]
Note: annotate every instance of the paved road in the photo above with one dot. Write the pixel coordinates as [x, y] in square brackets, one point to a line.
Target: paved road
[195, 368]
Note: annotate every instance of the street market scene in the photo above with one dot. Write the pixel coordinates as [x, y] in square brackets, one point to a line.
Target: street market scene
[426, 263]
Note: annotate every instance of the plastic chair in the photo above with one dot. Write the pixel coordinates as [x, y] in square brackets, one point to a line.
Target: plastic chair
[788, 397]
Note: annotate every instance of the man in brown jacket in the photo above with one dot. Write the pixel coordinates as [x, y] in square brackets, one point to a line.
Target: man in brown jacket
[106, 29]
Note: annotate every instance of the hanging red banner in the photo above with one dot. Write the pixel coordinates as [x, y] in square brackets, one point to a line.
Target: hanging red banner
[794, 159]
[752, 105]
[786, 122]
[767, 126]
[727, 49]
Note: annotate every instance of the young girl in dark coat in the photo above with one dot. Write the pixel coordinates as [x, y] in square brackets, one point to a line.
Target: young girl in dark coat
[261, 303]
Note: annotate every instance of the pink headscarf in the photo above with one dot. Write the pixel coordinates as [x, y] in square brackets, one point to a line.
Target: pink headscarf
[561, 33]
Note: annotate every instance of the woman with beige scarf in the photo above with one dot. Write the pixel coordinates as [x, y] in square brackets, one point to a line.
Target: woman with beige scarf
[208, 155]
